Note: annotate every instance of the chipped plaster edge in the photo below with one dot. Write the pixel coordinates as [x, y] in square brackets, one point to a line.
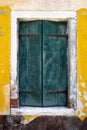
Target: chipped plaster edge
[72, 76]
[69, 16]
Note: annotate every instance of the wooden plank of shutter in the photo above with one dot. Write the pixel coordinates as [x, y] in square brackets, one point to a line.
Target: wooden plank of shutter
[30, 63]
[54, 63]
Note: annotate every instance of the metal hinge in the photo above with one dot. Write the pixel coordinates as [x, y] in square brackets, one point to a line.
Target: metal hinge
[29, 35]
[57, 92]
[29, 92]
[58, 35]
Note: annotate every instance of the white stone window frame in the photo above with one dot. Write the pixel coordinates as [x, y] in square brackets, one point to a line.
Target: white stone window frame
[70, 17]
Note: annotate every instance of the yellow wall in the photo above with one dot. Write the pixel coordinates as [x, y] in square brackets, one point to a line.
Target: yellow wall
[82, 63]
[4, 60]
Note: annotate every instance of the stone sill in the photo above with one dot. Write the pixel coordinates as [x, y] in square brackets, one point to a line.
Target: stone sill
[52, 111]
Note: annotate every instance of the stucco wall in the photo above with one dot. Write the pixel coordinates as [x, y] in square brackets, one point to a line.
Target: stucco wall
[44, 4]
[4, 60]
[82, 63]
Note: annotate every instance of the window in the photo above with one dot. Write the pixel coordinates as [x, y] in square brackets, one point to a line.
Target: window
[68, 18]
[43, 63]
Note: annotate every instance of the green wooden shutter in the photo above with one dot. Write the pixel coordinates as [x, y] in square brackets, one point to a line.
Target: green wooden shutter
[54, 63]
[30, 63]
[43, 63]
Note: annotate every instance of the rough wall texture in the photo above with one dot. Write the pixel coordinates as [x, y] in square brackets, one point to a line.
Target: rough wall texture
[44, 4]
[4, 60]
[43, 123]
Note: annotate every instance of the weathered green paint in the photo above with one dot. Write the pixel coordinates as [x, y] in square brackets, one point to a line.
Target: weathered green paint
[42, 63]
[29, 63]
[54, 63]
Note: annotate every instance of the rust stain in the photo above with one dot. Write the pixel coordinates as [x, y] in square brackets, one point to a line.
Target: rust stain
[14, 103]
[70, 104]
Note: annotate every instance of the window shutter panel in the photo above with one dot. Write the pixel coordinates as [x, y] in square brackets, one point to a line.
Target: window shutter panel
[30, 63]
[43, 63]
[54, 63]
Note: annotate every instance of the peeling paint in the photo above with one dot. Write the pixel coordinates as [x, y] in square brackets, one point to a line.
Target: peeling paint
[28, 119]
[1, 34]
[82, 64]
[3, 12]
[85, 96]
[4, 99]
[14, 93]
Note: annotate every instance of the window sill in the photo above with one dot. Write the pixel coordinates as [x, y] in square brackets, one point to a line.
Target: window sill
[52, 111]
